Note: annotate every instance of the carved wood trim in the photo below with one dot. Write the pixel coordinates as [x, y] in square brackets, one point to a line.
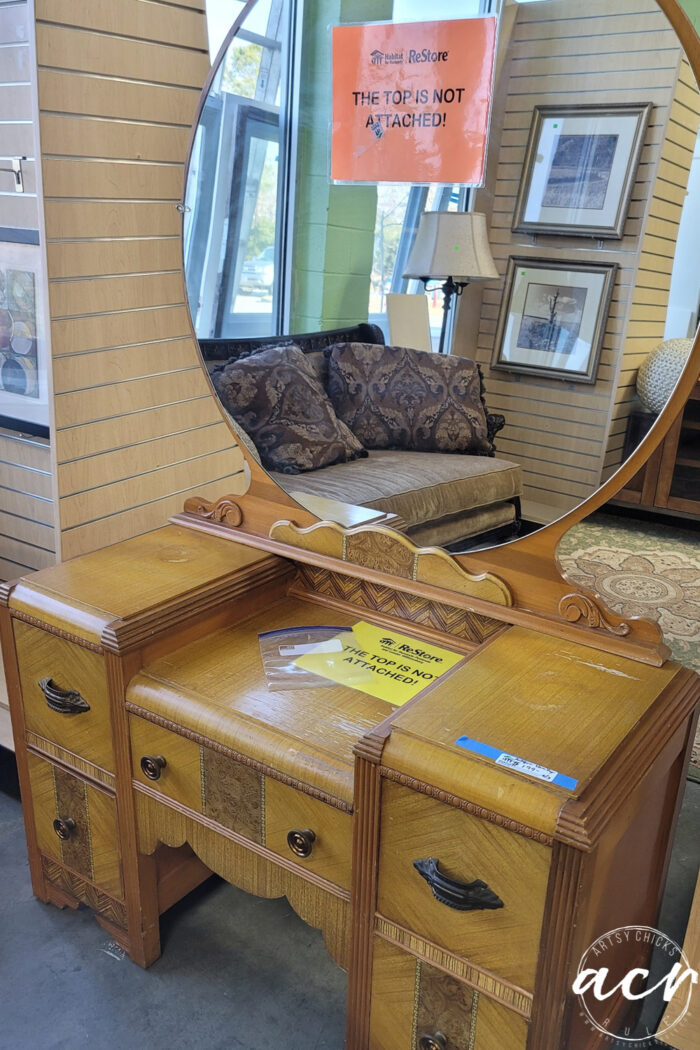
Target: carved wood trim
[237, 756]
[365, 866]
[580, 606]
[74, 639]
[552, 992]
[224, 510]
[510, 995]
[469, 807]
[80, 889]
[384, 550]
[365, 594]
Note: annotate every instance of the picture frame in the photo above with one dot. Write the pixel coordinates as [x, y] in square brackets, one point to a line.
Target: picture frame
[579, 169]
[553, 318]
[24, 401]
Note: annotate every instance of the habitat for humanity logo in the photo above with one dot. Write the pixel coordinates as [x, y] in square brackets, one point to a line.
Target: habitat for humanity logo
[386, 58]
[604, 974]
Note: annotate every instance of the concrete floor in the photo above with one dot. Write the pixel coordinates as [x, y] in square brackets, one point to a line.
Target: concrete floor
[236, 971]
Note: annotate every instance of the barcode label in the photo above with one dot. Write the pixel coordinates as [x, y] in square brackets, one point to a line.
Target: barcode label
[523, 766]
[517, 764]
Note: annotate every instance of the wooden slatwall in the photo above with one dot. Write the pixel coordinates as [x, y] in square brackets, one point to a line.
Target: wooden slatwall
[137, 428]
[562, 53]
[27, 538]
[647, 318]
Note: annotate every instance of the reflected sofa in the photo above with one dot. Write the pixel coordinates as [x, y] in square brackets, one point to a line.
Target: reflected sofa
[442, 499]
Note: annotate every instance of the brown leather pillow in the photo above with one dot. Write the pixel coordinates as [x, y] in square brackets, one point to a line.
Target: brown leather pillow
[395, 397]
[276, 398]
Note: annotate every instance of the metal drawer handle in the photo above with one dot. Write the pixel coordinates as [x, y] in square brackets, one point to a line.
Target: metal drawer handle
[64, 828]
[63, 701]
[301, 842]
[152, 766]
[464, 896]
[433, 1042]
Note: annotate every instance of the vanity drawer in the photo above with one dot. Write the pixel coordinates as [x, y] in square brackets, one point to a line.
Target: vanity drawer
[289, 817]
[504, 940]
[76, 825]
[416, 1006]
[315, 836]
[71, 709]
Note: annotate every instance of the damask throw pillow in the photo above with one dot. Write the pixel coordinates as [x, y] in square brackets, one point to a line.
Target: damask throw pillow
[395, 397]
[276, 398]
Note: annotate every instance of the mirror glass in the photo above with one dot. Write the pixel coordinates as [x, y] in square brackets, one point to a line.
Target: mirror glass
[590, 199]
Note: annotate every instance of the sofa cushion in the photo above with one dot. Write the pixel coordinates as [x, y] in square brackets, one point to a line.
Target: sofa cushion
[420, 487]
[395, 397]
[278, 401]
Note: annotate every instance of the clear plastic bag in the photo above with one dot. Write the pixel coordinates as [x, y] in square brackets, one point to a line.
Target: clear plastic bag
[281, 649]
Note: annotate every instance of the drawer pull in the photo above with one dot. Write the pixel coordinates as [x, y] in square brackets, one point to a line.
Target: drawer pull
[152, 766]
[63, 701]
[464, 896]
[64, 828]
[433, 1042]
[301, 842]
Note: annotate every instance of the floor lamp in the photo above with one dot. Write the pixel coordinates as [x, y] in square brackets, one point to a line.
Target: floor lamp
[453, 247]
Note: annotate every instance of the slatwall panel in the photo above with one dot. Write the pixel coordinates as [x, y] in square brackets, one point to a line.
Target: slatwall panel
[562, 53]
[648, 313]
[137, 427]
[26, 508]
[16, 131]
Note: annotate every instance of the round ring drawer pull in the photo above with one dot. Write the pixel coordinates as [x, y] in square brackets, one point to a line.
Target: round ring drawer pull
[433, 1042]
[64, 828]
[301, 842]
[152, 766]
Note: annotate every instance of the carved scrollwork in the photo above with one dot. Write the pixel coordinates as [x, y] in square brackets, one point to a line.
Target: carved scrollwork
[381, 551]
[578, 607]
[225, 511]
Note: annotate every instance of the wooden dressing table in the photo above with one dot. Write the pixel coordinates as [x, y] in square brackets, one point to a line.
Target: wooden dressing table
[151, 752]
[459, 893]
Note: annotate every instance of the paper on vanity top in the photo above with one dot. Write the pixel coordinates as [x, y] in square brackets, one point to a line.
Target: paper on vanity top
[384, 663]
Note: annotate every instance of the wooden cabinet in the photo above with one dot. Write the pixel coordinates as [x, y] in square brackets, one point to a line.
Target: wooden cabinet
[670, 479]
[458, 892]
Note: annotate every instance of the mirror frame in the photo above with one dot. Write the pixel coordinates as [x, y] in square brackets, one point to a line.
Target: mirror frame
[528, 566]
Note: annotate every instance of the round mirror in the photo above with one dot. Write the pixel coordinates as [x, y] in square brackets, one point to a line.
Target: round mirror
[565, 257]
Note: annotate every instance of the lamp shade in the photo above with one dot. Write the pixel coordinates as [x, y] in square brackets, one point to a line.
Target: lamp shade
[451, 244]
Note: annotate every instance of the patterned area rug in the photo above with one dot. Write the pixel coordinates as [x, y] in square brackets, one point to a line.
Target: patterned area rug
[646, 570]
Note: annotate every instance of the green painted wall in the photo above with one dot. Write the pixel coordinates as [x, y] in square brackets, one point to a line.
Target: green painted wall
[333, 225]
[692, 9]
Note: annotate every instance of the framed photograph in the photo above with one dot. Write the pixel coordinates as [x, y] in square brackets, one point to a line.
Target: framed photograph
[579, 169]
[23, 372]
[553, 317]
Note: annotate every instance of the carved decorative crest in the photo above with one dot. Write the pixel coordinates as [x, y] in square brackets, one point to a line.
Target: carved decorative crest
[224, 510]
[577, 607]
[380, 548]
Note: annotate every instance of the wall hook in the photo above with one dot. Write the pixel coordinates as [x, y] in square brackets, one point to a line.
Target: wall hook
[16, 170]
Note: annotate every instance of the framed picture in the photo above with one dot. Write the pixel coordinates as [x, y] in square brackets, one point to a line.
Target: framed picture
[579, 169]
[23, 377]
[553, 317]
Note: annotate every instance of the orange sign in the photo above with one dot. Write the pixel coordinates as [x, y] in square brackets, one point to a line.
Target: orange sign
[411, 101]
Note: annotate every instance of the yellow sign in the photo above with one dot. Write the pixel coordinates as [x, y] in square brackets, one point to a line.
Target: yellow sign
[381, 662]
